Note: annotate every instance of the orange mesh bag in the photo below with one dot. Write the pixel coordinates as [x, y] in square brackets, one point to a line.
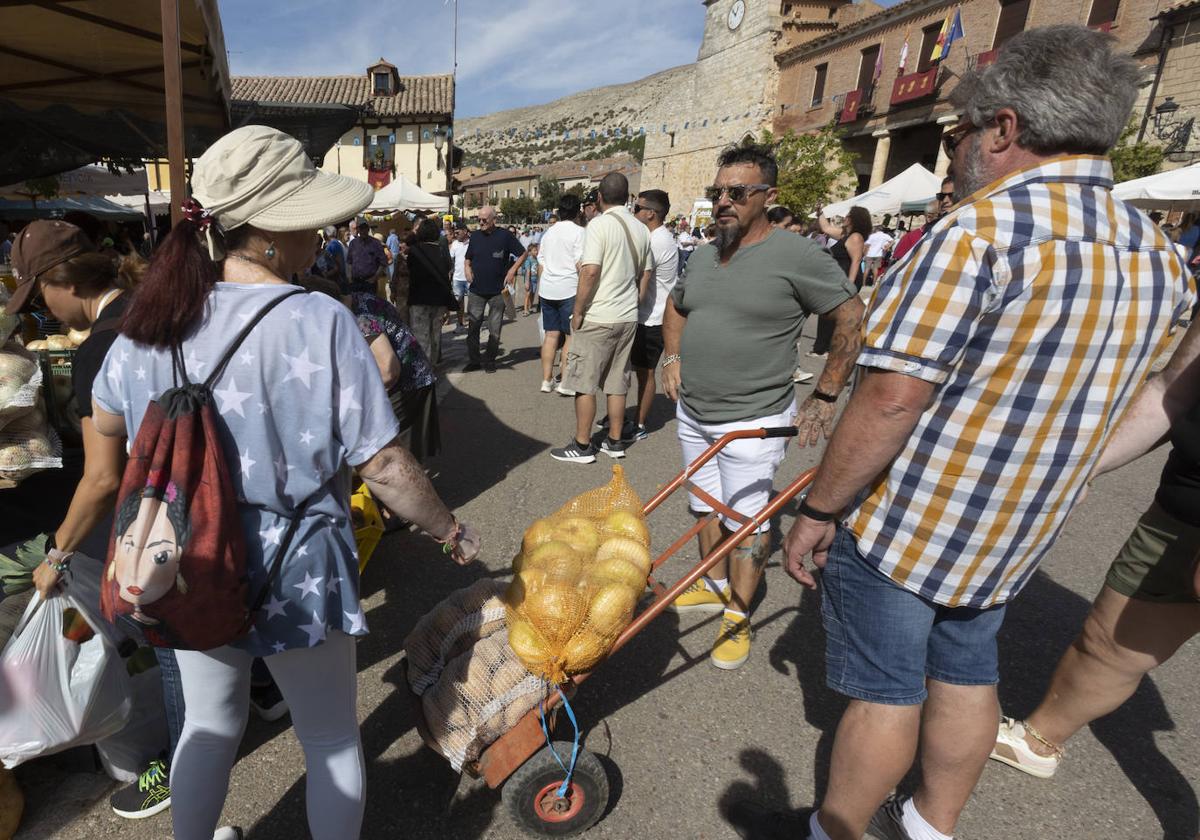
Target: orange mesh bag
[577, 580]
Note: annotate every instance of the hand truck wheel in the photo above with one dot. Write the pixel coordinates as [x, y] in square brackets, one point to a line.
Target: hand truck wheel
[531, 794]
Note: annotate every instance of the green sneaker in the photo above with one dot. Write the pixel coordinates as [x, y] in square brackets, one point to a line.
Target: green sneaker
[149, 795]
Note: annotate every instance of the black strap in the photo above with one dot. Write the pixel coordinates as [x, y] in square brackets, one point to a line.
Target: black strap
[246, 330]
[284, 545]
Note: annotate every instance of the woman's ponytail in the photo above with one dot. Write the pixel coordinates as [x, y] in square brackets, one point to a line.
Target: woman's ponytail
[171, 296]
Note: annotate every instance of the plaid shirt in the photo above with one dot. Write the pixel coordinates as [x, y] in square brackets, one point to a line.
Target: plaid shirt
[1036, 309]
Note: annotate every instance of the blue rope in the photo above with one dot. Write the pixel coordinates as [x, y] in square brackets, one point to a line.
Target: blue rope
[562, 789]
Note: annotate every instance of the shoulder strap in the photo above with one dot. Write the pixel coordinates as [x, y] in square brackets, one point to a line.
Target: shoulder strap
[277, 564]
[246, 330]
[639, 264]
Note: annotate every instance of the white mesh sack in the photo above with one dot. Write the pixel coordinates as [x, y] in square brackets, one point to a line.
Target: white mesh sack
[457, 622]
[20, 381]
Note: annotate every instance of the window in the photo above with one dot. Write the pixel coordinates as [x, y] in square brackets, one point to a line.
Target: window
[929, 36]
[383, 83]
[507, 194]
[866, 67]
[1103, 11]
[1011, 22]
[818, 93]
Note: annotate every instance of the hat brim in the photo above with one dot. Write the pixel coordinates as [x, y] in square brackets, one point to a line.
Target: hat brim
[20, 297]
[324, 200]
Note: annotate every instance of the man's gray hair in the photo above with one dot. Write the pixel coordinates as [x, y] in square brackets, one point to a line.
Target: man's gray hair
[1072, 93]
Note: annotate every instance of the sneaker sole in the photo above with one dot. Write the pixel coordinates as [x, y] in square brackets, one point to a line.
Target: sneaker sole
[696, 608]
[141, 815]
[728, 664]
[586, 459]
[1024, 768]
[615, 455]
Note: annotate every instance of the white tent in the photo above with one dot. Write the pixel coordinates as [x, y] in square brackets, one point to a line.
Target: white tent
[1175, 189]
[913, 184]
[160, 201]
[402, 194]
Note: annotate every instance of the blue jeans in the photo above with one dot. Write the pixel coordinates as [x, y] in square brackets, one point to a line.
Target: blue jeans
[882, 641]
[173, 702]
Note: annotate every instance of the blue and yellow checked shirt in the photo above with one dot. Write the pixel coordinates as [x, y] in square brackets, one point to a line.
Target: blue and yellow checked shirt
[1036, 308]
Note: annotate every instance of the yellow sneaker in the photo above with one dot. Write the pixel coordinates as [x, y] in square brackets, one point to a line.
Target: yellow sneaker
[732, 647]
[698, 598]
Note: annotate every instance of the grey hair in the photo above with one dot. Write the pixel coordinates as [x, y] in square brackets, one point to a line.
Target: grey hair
[1072, 93]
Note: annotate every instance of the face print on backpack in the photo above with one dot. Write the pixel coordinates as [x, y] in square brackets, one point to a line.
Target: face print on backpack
[152, 530]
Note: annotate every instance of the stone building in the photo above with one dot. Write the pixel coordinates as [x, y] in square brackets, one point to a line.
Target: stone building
[493, 187]
[1173, 105]
[722, 99]
[404, 129]
[829, 51]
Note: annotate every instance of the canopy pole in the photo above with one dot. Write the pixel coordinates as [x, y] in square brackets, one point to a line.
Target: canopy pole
[173, 88]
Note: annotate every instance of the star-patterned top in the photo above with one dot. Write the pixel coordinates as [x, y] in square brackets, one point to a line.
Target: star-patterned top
[378, 317]
[301, 399]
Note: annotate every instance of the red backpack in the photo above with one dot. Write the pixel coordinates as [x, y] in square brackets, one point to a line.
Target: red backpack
[177, 561]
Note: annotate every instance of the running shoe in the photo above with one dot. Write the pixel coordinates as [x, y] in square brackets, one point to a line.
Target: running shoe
[149, 795]
[267, 702]
[700, 597]
[575, 452]
[1012, 749]
[801, 376]
[732, 647]
[547, 386]
[641, 433]
[613, 448]
[566, 392]
[228, 832]
[755, 821]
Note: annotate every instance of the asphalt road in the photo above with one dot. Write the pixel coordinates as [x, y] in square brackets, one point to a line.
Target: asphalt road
[676, 736]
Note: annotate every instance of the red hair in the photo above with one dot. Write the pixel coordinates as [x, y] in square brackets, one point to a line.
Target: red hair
[170, 298]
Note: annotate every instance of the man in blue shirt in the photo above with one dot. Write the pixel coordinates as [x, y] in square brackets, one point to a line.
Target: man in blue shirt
[393, 246]
[493, 255]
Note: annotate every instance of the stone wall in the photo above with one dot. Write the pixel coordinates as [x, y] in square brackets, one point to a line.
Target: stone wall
[1181, 82]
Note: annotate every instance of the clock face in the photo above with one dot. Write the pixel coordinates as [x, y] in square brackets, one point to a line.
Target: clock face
[737, 13]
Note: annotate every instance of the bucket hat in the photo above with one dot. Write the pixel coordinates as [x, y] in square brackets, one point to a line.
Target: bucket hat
[261, 176]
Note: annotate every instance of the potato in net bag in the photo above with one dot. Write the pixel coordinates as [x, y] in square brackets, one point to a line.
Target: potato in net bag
[480, 695]
[578, 578]
[453, 626]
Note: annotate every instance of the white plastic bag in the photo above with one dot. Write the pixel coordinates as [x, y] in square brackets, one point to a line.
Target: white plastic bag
[127, 753]
[57, 693]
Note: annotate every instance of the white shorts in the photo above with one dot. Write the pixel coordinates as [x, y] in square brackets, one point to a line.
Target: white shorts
[742, 474]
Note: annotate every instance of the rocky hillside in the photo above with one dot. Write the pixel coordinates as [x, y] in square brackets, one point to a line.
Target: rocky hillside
[515, 141]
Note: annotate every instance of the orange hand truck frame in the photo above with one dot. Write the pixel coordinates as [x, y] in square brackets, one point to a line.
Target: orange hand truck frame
[530, 782]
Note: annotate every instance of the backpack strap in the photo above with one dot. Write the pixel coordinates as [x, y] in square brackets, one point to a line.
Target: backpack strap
[246, 330]
[284, 545]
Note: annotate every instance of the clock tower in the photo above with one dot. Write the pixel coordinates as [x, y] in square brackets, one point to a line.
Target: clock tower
[727, 96]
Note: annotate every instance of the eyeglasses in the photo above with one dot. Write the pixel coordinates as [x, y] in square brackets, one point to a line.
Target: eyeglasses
[943, 196]
[952, 138]
[737, 192]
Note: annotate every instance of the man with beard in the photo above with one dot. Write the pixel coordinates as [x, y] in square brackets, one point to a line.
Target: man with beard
[995, 363]
[729, 332]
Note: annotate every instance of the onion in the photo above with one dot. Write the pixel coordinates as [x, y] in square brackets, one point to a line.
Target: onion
[539, 533]
[77, 337]
[582, 652]
[579, 533]
[526, 643]
[556, 611]
[629, 550]
[523, 583]
[616, 570]
[610, 609]
[626, 523]
[549, 553]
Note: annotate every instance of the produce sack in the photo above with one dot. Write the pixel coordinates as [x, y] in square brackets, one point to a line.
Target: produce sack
[22, 453]
[62, 682]
[20, 381]
[462, 618]
[481, 694]
[577, 580]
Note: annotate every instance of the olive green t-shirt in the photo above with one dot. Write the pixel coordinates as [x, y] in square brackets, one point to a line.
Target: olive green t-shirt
[743, 321]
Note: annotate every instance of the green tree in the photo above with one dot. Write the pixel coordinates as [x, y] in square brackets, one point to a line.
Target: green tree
[1132, 159]
[518, 210]
[549, 191]
[811, 167]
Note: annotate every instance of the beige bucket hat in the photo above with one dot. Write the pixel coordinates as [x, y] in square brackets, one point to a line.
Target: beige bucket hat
[261, 176]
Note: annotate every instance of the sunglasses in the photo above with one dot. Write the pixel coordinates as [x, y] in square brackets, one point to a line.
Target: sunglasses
[954, 137]
[943, 196]
[737, 192]
[638, 208]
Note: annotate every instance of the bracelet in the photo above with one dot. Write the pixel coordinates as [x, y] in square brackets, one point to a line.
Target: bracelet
[450, 544]
[59, 561]
[672, 359]
[806, 509]
[823, 397]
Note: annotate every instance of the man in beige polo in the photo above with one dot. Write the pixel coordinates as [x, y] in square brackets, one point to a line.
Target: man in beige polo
[614, 274]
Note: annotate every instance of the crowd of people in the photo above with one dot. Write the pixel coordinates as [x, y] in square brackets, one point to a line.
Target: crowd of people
[997, 366]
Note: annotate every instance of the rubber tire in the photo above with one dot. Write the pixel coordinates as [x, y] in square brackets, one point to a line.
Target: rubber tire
[524, 785]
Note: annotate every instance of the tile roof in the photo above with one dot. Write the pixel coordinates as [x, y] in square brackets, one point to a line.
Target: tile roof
[418, 95]
[501, 175]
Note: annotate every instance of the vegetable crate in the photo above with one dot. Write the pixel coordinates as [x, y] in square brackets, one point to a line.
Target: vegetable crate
[530, 776]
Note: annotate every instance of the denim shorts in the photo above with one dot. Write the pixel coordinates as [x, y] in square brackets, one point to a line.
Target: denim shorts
[461, 288]
[556, 315]
[882, 641]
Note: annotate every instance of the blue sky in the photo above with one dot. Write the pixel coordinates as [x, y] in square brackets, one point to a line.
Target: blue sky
[510, 52]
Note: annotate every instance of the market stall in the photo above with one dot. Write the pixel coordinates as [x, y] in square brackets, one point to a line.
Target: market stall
[1175, 189]
[402, 194]
[915, 184]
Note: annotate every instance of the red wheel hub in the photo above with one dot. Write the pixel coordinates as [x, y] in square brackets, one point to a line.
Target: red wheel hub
[550, 807]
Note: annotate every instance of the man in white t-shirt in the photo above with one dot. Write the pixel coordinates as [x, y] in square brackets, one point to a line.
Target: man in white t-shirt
[458, 253]
[651, 209]
[687, 243]
[559, 255]
[614, 275]
[878, 245]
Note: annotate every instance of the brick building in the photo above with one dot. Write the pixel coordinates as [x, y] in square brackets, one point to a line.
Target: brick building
[1173, 105]
[829, 50]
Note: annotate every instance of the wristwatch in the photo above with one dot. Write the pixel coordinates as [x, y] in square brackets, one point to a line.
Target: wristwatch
[671, 359]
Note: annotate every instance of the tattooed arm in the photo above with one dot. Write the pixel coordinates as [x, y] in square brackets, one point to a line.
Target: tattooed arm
[815, 417]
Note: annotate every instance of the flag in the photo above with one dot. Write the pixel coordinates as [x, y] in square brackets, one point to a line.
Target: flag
[952, 30]
[878, 65]
[904, 52]
[936, 54]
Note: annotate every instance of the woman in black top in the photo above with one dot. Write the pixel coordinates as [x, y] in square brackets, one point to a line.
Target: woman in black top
[430, 295]
[847, 252]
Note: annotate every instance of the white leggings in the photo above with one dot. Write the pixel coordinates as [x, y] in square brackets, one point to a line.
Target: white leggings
[320, 687]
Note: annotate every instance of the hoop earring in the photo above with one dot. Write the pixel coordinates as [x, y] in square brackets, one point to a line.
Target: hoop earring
[270, 252]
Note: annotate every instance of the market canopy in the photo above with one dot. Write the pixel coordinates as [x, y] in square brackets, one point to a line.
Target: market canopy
[83, 80]
[1175, 189]
[915, 184]
[402, 194]
[56, 208]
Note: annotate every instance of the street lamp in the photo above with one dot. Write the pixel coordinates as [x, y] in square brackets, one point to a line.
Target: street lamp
[1164, 115]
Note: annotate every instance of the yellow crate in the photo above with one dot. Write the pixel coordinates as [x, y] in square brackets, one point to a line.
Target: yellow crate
[368, 524]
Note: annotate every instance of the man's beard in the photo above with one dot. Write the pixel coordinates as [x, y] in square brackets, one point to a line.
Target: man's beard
[973, 176]
[728, 237]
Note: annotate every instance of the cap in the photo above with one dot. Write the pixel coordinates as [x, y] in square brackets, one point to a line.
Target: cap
[592, 197]
[41, 246]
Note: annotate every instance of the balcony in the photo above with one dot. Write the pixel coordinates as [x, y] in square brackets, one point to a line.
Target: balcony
[914, 86]
[856, 104]
[983, 59]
